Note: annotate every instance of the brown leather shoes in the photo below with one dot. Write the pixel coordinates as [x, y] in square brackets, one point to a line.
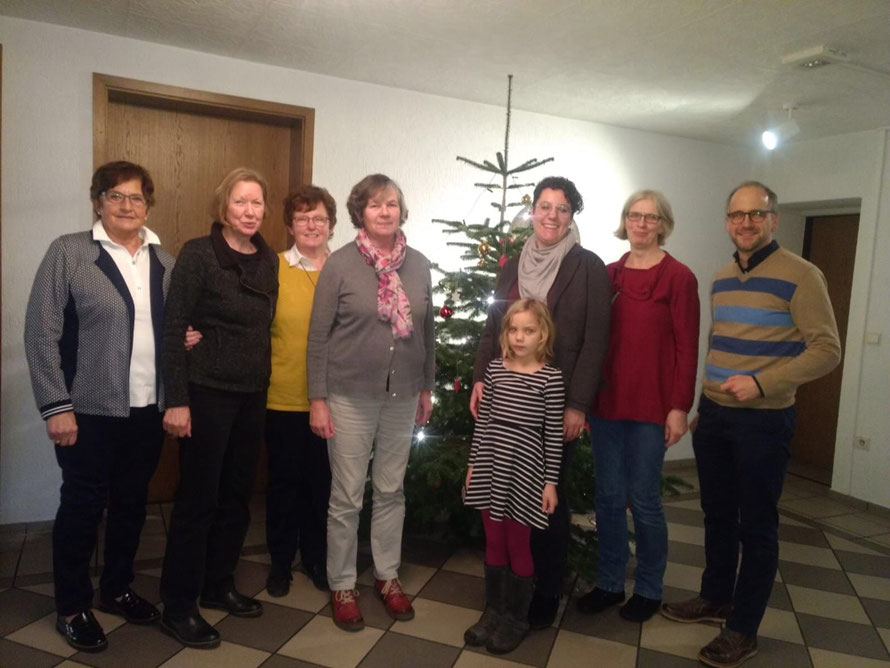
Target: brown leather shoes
[696, 610]
[728, 650]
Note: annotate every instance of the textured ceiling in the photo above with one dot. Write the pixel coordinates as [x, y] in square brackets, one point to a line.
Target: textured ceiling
[707, 69]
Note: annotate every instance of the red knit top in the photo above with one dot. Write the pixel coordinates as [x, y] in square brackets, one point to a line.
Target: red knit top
[653, 346]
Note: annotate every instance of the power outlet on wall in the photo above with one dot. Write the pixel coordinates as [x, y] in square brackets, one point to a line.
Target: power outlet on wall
[862, 443]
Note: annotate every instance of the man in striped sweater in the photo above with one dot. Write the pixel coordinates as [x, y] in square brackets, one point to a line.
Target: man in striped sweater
[773, 329]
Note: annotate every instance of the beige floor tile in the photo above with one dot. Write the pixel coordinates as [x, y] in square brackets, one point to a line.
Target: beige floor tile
[663, 635]
[584, 520]
[860, 524]
[781, 625]
[870, 586]
[839, 543]
[689, 504]
[682, 576]
[439, 622]
[212, 615]
[885, 636]
[573, 649]
[827, 604]
[323, 643]
[227, 655]
[412, 577]
[683, 533]
[42, 635]
[46, 589]
[477, 660]
[881, 539]
[817, 507]
[822, 658]
[468, 562]
[808, 554]
[302, 595]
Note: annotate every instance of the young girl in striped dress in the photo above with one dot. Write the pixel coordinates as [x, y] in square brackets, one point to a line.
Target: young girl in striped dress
[514, 468]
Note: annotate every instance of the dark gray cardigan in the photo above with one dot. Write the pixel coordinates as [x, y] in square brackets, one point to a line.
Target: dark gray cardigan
[232, 304]
[580, 302]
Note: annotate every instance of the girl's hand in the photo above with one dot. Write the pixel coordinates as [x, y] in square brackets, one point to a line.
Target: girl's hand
[476, 399]
[548, 499]
[192, 337]
[674, 427]
[320, 421]
[178, 421]
[469, 475]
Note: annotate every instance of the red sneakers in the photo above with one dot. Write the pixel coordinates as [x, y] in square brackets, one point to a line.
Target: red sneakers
[346, 611]
[397, 604]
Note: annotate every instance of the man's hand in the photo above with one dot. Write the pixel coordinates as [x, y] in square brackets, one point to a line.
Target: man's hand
[573, 424]
[742, 387]
[178, 421]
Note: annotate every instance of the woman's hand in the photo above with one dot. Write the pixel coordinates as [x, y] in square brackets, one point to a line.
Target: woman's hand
[469, 475]
[320, 421]
[192, 337]
[424, 408]
[548, 499]
[573, 424]
[674, 427]
[62, 428]
[476, 399]
[178, 421]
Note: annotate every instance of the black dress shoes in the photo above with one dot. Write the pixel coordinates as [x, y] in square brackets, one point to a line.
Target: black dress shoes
[278, 581]
[319, 576]
[131, 607]
[191, 630]
[237, 605]
[83, 632]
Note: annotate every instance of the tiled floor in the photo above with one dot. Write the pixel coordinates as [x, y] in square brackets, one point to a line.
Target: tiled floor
[830, 605]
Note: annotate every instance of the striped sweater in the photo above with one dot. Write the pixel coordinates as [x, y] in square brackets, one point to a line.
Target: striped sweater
[775, 323]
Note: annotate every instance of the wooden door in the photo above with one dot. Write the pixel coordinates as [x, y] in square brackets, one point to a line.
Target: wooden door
[830, 244]
[189, 140]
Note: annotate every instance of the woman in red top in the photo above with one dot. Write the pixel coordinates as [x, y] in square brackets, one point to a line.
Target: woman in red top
[649, 377]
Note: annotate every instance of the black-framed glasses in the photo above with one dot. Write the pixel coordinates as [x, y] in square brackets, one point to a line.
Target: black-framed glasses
[547, 207]
[303, 221]
[756, 215]
[637, 216]
[117, 198]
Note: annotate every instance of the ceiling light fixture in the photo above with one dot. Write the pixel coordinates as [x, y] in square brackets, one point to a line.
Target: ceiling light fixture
[774, 136]
[820, 55]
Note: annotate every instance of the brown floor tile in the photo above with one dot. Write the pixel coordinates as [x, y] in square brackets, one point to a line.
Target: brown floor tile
[864, 564]
[840, 636]
[269, 632]
[779, 598]
[685, 553]
[148, 564]
[456, 589]
[826, 579]
[9, 561]
[804, 535]
[878, 611]
[647, 658]
[250, 577]
[20, 608]
[133, 646]
[13, 654]
[279, 661]
[607, 624]
[534, 650]
[684, 516]
[772, 653]
[395, 650]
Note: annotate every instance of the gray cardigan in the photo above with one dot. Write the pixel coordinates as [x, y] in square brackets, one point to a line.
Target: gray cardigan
[79, 328]
[351, 350]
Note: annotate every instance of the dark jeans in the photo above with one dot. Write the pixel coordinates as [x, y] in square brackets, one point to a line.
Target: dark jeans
[110, 464]
[742, 455]
[211, 515]
[298, 491]
[550, 546]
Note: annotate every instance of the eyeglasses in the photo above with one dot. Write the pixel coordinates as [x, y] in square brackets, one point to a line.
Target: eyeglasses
[756, 216]
[303, 221]
[636, 217]
[547, 207]
[117, 198]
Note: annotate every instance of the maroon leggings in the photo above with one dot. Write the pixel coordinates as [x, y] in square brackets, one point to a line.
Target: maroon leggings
[508, 542]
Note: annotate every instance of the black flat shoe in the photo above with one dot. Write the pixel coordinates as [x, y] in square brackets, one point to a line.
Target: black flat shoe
[191, 630]
[542, 611]
[237, 605]
[639, 608]
[318, 575]
[131, 607]
[278, 582]
[83, 632]
[598, 600]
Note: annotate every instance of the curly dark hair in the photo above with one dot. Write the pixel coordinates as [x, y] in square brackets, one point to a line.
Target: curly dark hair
[306, 198]
[568, 189]
[114, 173]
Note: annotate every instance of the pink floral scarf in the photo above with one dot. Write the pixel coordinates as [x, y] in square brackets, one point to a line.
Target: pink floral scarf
[392, 302]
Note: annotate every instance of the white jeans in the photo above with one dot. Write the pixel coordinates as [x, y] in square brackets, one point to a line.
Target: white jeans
[387, 425]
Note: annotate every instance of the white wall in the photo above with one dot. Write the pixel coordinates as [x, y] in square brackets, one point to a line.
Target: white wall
[840, 169]
[47, 164]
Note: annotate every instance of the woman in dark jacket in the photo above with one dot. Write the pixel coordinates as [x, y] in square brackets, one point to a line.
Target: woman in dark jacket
[572, 281]
[225, 285]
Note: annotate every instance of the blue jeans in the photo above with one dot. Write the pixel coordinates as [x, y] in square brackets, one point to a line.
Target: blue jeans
[628, 457]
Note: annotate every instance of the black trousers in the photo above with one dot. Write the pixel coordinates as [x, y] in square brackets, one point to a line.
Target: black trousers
[298, 491]
[109, 465]
[211, 513]
[550, 546]
[742, 455]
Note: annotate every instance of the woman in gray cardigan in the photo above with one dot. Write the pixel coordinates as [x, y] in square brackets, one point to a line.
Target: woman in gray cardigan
[371, 372]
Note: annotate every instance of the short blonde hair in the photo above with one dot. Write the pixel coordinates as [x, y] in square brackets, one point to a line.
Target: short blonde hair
[662, 206]
[221, 193]
[539, 310]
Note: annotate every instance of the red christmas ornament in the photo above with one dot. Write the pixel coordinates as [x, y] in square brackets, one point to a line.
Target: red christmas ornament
[457, 384]
[502, 261]
[446, 312]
